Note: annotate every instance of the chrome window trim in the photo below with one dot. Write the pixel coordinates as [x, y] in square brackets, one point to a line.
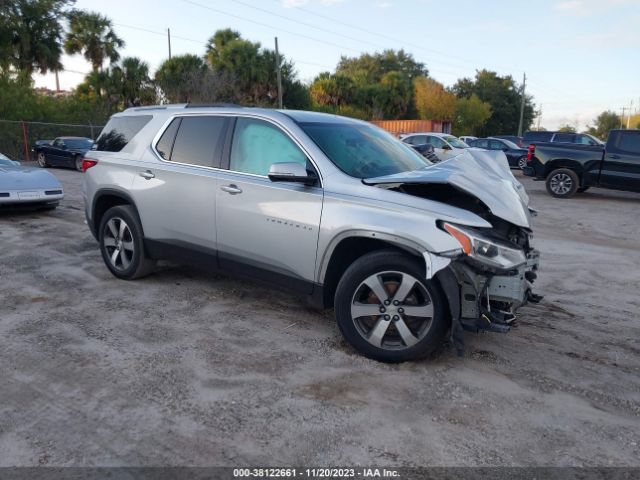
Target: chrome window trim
[171, 118]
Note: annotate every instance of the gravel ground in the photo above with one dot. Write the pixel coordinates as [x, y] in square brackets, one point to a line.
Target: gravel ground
[190, 368]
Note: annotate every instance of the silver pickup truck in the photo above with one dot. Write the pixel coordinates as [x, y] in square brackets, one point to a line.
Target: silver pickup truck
[406, 252]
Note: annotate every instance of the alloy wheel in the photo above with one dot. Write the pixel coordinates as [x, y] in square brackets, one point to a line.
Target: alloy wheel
[118, 243]
[522, 162]
[561, 184]
[41, 160]
[392, 310]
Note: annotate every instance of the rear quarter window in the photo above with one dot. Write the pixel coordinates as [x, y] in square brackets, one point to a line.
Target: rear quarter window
[625, 142]
[119, 131]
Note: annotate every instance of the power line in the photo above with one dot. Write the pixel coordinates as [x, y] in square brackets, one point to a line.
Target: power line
[269, 26]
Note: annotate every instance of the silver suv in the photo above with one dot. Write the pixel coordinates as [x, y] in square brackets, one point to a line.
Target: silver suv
[406, 252]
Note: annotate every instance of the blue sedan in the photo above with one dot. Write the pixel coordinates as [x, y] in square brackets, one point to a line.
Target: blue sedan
[63, 152]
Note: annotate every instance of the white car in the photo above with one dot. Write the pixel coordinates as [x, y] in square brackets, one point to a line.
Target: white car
[467, 138]
[445, 145]
[27, 186]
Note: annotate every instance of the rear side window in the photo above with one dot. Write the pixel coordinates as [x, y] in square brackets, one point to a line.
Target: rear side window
[564, 137]
[119, 131]
[626, 142]
[198, 141]
[496, 145]
[538, 136]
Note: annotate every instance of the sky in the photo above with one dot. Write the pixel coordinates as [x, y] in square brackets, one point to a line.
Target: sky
[581, 57]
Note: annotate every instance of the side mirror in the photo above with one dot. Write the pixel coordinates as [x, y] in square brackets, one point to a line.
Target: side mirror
[290, 172]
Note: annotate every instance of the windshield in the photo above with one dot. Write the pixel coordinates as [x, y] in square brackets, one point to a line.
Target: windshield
[364, 151]
[79, 143]
[455, 142]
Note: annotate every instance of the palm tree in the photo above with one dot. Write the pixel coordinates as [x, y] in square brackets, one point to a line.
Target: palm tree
[92, 35]
[136, 84]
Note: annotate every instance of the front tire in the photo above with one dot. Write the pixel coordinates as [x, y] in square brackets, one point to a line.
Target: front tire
[387, 310]
[122, 243]
[42, 160]
[562, 183]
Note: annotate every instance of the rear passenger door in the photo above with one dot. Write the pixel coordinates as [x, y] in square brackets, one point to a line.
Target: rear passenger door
[266, 229]
[621, 166]
[176, 194]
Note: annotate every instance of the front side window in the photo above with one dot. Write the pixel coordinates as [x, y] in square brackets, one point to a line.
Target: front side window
[363, 151]
[119, 131]
[496, 145]
[564, 137]
[436, 142]
[79, 143]
[258, 144]
[456, 142]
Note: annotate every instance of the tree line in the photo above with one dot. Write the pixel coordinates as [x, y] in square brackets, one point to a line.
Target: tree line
[391, 84]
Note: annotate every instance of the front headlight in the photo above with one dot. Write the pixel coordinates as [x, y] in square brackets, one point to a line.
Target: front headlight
[487, 251]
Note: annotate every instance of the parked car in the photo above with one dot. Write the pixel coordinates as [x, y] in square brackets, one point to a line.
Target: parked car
[27, 186]
[63, 152]
[517, 157]
[519, 141]
[568, 168]
[36, 146]
[427, 151]
[330, 207]
[445, 146]
[466, 138]
[561, 137]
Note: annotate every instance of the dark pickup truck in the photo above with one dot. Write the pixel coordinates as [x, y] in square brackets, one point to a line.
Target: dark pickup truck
[568, 168]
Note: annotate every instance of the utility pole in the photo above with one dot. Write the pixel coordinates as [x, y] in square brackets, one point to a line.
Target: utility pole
[279, 75]
[624, 109]
[524, 83]
[539, 117]
[169, 41]
[629, 116]
[57, 81]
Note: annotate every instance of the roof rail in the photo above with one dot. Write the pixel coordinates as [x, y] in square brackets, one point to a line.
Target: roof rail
[209, 105]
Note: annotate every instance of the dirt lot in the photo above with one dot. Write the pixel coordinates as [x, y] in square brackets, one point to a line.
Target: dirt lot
[189, 368]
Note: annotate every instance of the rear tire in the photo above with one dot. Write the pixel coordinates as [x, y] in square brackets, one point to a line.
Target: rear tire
[522, 162]
[562, 183]
[77, 160]
[409, 323]
[122, 243]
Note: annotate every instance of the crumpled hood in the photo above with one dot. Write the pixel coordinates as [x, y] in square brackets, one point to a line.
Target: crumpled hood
[24, 178]
[480, 173]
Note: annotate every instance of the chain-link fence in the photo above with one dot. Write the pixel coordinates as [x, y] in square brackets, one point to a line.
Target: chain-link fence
[18, 139]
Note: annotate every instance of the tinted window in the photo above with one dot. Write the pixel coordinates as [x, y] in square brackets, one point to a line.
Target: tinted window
[496, 145]
[119, 131]
[79, 143]
[628, 142]
[564, 137]
[482, 143]
[199, 141]
[538, 136]
[363, 151]
[436, 142]
[258, 144]
[165, 144]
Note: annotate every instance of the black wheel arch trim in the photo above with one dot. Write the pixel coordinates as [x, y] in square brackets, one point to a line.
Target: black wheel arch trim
[103, 192]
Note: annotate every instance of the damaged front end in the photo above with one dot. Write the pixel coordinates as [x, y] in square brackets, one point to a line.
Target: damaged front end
[491, 275]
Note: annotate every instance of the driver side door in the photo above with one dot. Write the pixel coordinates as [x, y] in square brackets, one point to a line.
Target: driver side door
[267, 230]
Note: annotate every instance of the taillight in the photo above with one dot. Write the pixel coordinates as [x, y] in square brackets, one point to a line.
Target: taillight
[530, 151]
[87, 164]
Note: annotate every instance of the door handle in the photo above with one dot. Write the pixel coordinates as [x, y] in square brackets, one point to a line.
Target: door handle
[232, 189]
[148, 175]
[614, 157]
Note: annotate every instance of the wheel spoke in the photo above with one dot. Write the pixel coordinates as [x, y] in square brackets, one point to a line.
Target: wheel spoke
[114, 256]
[109, 241]
[407, 336]
[112, 228]
[364, 310]
[425, 311]
[127, 245]
[374, 282]
[123, 227]
[377, 332]
[405, 288]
